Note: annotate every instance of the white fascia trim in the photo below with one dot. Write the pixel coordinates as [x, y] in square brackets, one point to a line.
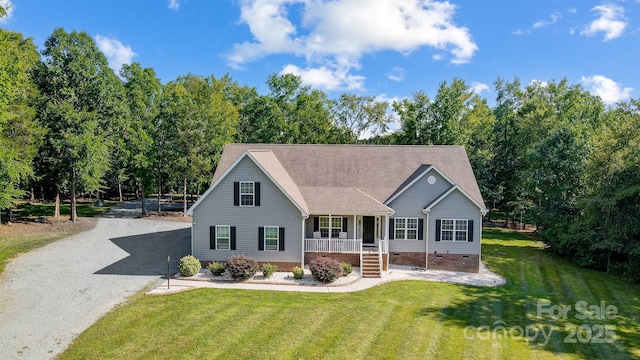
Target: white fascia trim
[452, 189]
[206, 193]
[302, 212]
[350, 213]
[235, 163]
[431, 167]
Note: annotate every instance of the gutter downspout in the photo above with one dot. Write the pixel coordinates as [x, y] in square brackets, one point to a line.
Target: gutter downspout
[304, 218]
[426, 252]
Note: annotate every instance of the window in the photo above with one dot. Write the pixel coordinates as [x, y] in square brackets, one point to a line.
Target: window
[454, 230]
[223, 237]
[406, 229]
[247, 193]
[271, 238]
[336, 226]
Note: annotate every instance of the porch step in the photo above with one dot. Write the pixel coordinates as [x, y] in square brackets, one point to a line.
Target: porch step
[370, 266]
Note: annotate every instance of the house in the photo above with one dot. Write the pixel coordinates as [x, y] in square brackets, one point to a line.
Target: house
[363, 204]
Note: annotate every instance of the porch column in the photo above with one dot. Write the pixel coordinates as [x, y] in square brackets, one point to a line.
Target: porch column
[330, 230]
[303, 243]
[355, 227]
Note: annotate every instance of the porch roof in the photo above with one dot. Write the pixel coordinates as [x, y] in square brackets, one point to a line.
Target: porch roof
[342, 200]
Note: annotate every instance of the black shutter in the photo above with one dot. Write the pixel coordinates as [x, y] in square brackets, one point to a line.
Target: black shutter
[420, 229]
[212, 237]
[392, 227]
[344, 224]
[438, 225]
[256, 192]
[470, 228]
[316, 224]
[281, 240]
[232, 242]
[236, 193]
[261, 238]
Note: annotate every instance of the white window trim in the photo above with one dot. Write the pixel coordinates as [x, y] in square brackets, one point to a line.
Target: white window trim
[277, 238]
[455, 231]
[218, 237]
[405, 229]
[320, 227]
[253, 193]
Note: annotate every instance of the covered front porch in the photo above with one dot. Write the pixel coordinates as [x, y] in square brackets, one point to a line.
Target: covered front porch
[359, 239]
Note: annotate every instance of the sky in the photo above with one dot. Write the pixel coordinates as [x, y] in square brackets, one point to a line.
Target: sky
[389, 49]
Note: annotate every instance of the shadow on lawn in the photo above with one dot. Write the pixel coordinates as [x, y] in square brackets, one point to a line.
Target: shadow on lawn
[148, 253]
[511, 312]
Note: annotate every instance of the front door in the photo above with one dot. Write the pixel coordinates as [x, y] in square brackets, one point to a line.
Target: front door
[368, 229]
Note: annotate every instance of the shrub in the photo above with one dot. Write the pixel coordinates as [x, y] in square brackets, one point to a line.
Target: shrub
[216, 268]
[298, 272]
[346, 268]
[189, 266]
[268, 270]
[325, 269]
[242, 267]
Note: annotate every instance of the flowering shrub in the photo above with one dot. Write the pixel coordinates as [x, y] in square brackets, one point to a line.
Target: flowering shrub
[325, 269]
[189, 266]
[242, 267]
[216, 268]
[298, 272]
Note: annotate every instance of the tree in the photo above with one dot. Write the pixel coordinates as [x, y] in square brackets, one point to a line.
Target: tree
[201, 122]
[360, 116]
[506, 164]
[19, 133]
[607, 235]
[82, 99]
[142, 88]
[440, 121]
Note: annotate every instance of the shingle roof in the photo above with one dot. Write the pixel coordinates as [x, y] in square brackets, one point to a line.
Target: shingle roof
[274, 168]
[378, 171]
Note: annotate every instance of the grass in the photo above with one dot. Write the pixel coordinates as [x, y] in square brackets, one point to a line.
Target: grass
[399, 320]
[12, 245]
[83, 209]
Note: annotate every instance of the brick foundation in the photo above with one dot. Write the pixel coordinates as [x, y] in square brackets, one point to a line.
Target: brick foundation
[407, 258]
[455, 262]
[353, 259]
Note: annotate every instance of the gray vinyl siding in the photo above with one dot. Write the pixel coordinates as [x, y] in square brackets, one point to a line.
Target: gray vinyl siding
[410, 204]
[455, 206]
[275, 210]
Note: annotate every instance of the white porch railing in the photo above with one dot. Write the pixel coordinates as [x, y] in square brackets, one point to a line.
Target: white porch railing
[333, 245]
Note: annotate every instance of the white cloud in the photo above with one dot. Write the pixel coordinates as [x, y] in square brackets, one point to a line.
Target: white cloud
[9, 7]
[326, 78]
[611, 22]
[609, 91]
[334, 35]
[116, 53]
[479, 87]
[396, 74]
[554, 19]
[174, 5]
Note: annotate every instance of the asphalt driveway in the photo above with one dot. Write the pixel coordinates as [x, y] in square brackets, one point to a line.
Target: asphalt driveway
[51, 294]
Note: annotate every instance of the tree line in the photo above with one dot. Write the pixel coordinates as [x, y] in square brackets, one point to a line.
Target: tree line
[550, 153]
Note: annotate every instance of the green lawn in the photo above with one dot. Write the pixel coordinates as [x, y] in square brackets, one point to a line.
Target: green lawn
[84, 209]
[400, 320]
[14, 244]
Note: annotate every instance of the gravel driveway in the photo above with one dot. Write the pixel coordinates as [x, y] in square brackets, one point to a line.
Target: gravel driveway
[51, 294]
